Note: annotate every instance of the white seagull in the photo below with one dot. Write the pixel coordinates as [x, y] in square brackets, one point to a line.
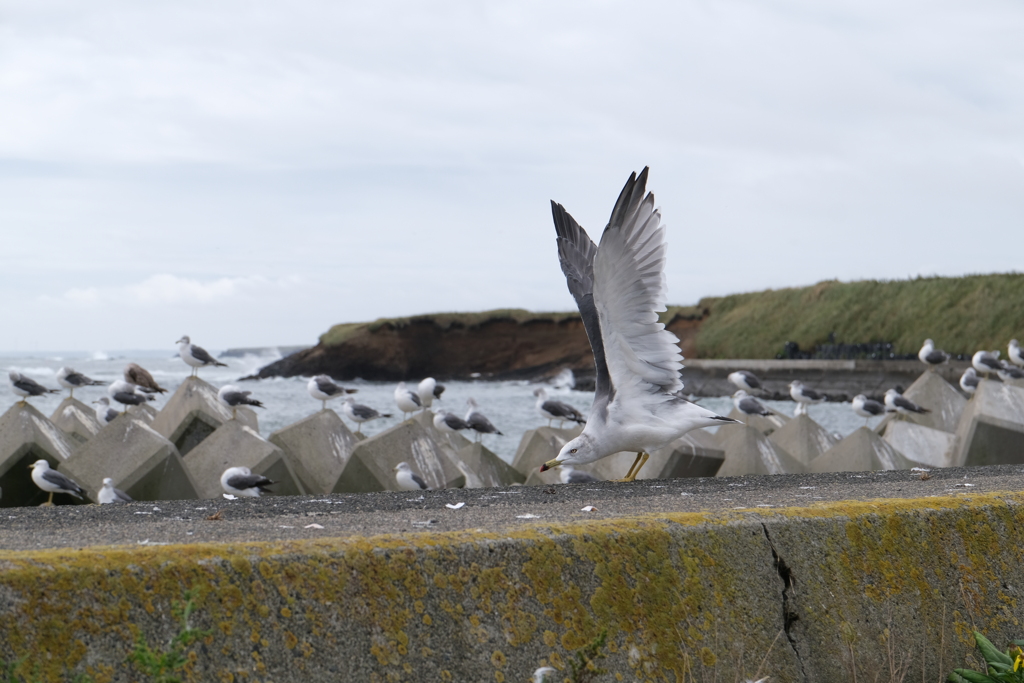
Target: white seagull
[866, 408]
[803, 396]
[69, 379]
[746, 380]
[551, 409]
[1014, 352]
[1009, 372]
[407, 401]
[53, 481]
[969, 380]
[359, 413]
[449, 423]
[748, 405]
[104, 413]
[196, 356]
[25, 386]
[895, 402]
[619, 287]
[240, 481]
[428, 389]
[128, 394]
[478, 422]
[323, 389]
[932, 356]
[407, 479]
[232, 396]
[108, 494]
[986, 362]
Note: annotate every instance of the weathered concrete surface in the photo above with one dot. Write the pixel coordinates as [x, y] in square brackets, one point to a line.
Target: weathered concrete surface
[766, 424]
[235, 444]
[483, 468]
[193, 413]
[803, 438]
[690, 590]
[26, 436]
[539, 445]
[931, 447]
[991, 429]
[318, 449]
[410, 442]
[141, 462]
[930, 391]
[862, 450]
[76, 419]
[748, 451]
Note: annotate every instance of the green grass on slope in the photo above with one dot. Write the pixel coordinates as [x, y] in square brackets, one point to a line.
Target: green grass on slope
[961, 314]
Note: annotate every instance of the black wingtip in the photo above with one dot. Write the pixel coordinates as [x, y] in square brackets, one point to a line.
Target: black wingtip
[724, 419]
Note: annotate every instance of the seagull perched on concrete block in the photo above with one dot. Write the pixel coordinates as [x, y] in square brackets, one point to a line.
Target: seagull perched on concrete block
[25, 386]
[196, 356]
[449, 423]
[406, 400]
[986, 362]
[969, 380]
[1016, 357]
[931, 356]
[323, 389]
[551, 409]
[746, 380]
[233, 396]
[69, 379]
[359, 413]
[748, 405]
[804, 396]
[140, 377]
[1009, 372]
[240, 481]
[407, 479]
[128, 394]
[427, 390]
[896, 402]
[52, 481]
[866, 408]
[104, 413]
[478, 422]
[619, 287]
[108, 494]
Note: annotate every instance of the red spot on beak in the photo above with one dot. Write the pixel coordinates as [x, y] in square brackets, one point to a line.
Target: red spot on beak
[544, 467]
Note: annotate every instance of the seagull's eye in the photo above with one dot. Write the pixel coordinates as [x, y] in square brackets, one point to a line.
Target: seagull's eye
[573, 450]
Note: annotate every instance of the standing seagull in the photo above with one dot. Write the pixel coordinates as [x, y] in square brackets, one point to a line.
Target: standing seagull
[104, 413]
[1014, 351]
[748, 405]
[25, 387]
[407, 401]
[804, 396]
[478, 422]
[425, 390]
[448, 423]
[359, 413]
[619, 287]
[233, 396]
[986, 362]
[969, 380]
[128, 394]
[407, 479]
[746, 380]
[140, 377]
[69, 379]
[895, 402]
[108, 494]
[240, 481]
[1009, 372]
[323, 389]
[196, 356]
[932, 356]
[550, 409]
[53, 481]
[866, 408]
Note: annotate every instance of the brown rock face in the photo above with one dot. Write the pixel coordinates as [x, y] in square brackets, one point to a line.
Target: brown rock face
[499, 348]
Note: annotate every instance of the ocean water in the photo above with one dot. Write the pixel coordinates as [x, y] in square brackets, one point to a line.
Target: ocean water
[509, 405]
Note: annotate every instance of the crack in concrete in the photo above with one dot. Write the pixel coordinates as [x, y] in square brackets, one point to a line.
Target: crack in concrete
[789, 615]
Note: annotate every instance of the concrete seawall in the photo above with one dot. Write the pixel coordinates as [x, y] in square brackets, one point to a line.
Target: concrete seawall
[809, 578]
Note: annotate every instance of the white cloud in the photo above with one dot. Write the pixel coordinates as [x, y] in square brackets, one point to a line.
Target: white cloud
[165, 289]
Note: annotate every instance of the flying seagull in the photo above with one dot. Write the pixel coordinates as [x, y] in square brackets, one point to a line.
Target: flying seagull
[619, 287]
[25, 387]
[104, 413]
[196, 356]
[895, 402]
[1016, 357]
[323, 389]
[52, 481]
[140, 377]
[407, 479]
[407, 401]
[932, 356]
[128, 394]
[550, 409]
[69, 379]
[359, 413]
[986, 362]
[969, 380]
[233, 396]
[748, 405]
[866, 408]
[478, 422]
[240, 481]
[746, 380]
[108, 494]
[426, 391]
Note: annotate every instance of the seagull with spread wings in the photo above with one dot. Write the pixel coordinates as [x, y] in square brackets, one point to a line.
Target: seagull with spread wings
[619, 288]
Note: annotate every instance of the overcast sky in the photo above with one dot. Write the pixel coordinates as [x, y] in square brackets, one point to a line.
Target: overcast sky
[250, 173]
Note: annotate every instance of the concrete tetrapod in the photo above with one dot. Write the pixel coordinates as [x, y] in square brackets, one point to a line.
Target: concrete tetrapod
[141, 462]
[861, 451]
[539, 445]
[930, 391]
[26, 436]
[145, 412]
[193, 413]
[930, 447]
[235, 444]
[484, 469]
[766, 424]
[318, 448]
[76, 419]
[991, 429]
[803, 438]
[408, 441]
[748, 451]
